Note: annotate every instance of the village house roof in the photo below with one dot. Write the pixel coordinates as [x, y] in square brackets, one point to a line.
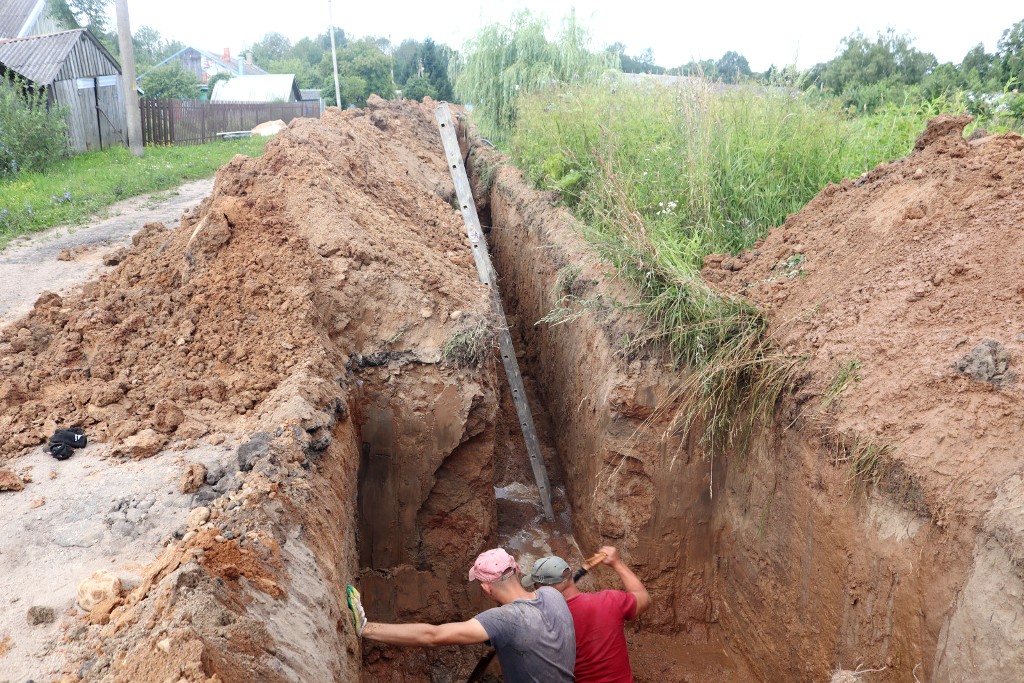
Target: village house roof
[43, 59]
[266, 88]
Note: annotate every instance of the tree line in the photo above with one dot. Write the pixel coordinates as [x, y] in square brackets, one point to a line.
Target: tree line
[866, 72]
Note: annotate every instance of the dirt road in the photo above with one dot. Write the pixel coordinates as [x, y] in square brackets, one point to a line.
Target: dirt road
[30, 266]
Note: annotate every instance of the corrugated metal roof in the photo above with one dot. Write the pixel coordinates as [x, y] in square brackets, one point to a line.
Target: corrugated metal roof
[14, 14]
[311, 94]
[267, 88]
[38, 58]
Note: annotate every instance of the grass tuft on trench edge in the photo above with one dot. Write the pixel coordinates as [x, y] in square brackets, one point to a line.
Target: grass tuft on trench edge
[469, 346]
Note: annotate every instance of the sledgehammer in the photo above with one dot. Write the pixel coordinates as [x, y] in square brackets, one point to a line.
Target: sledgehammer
[591, 562]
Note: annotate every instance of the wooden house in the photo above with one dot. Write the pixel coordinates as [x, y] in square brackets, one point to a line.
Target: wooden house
[76, 71]
[70, 66]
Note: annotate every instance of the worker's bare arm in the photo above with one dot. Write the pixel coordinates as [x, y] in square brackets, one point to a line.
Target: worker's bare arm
[427, 635]
[630, 582]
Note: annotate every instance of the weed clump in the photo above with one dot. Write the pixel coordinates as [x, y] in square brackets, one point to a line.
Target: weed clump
[469, 346]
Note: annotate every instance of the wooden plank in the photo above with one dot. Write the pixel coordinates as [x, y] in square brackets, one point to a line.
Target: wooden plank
[488, 276]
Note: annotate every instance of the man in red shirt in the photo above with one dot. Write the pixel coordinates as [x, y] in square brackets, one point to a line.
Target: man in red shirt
[601, 655]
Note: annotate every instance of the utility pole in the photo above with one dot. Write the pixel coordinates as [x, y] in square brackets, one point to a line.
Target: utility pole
[131, 95]
[334, 56]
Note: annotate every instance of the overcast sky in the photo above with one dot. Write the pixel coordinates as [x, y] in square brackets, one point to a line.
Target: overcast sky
[803, 32]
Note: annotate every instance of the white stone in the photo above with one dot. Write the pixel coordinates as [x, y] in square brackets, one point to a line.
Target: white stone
[97, 588]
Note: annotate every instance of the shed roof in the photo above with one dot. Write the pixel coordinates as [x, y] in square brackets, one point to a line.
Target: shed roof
[266, 88]
[311, 94]
[16, 16]
[40, 58]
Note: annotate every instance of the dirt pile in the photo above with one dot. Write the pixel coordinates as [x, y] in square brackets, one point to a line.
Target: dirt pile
[909, 278]
[322, 300]
[902, 289]
[210, 318]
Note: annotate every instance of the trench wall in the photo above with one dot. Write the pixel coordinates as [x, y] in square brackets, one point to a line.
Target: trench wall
[426, 505]
[772, 551]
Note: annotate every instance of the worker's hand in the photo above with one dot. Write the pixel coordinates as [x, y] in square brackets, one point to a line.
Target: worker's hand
[356, 605]
[611, 555]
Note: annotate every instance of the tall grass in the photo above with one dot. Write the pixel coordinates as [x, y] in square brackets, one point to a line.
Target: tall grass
[663, 176]
[708, 170]
[73, 190]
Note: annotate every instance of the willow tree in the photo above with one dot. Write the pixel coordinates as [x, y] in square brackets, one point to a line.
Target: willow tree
[503, 63]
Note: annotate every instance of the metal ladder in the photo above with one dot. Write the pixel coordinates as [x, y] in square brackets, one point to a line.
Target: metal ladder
[489, 278]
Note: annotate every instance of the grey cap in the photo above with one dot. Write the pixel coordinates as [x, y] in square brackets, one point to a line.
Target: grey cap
[547, 571]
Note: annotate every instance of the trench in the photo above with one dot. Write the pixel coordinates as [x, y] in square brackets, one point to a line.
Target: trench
[444, 474]
[761, 566]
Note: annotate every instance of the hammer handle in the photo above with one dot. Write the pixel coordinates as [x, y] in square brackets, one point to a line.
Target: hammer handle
[591, 562]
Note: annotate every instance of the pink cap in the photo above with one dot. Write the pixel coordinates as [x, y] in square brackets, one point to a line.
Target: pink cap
[491, 565]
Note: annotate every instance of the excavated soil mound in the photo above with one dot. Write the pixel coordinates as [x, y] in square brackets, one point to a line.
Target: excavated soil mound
[909, 278]
[329, 272]
[198, 326]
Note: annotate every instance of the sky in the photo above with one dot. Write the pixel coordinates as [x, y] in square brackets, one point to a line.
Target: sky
[799, 32]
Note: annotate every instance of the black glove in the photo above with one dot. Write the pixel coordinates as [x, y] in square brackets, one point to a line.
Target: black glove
[64, 440]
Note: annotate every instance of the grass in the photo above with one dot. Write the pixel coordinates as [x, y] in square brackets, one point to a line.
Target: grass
[848, 373]
[74, 190]
[469, 346]
[865, 460]
[566, 278]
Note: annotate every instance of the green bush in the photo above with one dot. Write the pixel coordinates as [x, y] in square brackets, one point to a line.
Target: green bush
[31, 134]
[170, 81]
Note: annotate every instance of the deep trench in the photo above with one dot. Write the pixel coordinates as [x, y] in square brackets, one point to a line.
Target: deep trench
[659, 650]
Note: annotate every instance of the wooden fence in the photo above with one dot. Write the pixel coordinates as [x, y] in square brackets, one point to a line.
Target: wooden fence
[193, 122]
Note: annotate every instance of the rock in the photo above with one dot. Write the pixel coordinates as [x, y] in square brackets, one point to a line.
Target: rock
[256, 447]
[989, 361]
[227, 484]
[198, 517]
[9, 481]
[143, 445]
[115, 257]
[167, 416]
[192, 478]
[111, 392]
[41, 615]
[192, 429]
[100, 587]
[100, 613]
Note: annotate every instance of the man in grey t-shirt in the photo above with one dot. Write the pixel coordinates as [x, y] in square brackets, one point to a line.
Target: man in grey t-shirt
[532, 631]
